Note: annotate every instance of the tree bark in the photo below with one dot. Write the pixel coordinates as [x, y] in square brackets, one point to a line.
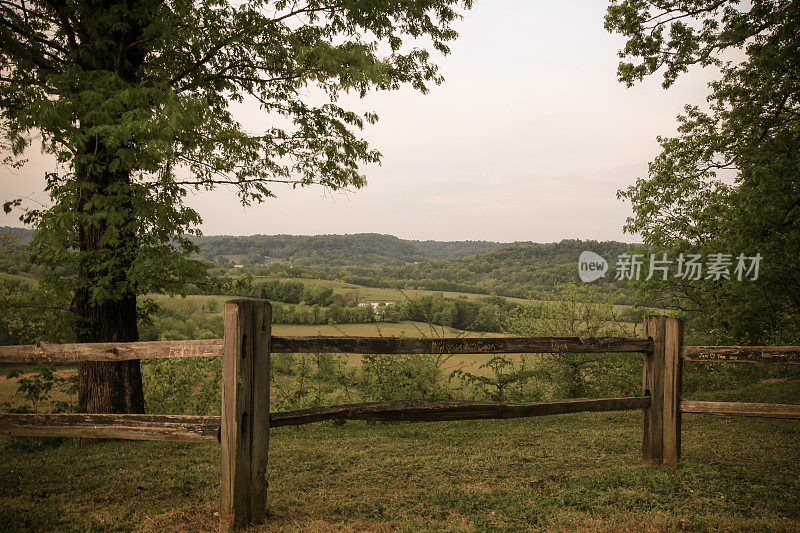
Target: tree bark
[108, 387]
[111, 316]
[110, 43]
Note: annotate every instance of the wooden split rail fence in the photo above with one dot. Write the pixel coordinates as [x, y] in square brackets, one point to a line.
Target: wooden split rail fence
[243, 427]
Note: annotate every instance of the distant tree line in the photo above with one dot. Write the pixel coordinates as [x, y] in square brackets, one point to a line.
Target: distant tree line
[362, 249]
[295, 292]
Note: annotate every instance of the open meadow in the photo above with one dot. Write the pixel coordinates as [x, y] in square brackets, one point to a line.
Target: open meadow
[567, 472]
[378, 294]
[564, 472]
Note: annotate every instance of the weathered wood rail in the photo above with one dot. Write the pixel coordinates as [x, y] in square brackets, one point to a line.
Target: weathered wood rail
[243, 428]
[764, 410]
[207, 429]
[442, 410]
[743, 354]
[121, 351]
[182, 428]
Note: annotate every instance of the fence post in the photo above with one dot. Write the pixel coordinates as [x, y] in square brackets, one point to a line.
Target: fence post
[673, 367]
[661, 380]
[244, 434]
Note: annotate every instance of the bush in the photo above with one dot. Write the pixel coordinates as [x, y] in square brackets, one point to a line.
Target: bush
[183, 386]
[504, 380]
[37, 390]
[317, 379]
[578, 310]
[403, 377]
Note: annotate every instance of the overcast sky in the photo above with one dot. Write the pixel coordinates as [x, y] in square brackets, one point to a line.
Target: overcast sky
[529, 138]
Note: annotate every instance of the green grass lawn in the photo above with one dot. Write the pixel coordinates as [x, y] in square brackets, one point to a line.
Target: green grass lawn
[565, 472]
[579, 471]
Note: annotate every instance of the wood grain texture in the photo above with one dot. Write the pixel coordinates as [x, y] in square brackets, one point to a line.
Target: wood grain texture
[653, 386]
[765, 410]
[234, 463]
[671, 417]
[136, 427]
[488, 345]
[206, 429]
[245, 413]
[123, 351]
[440, 410]
[744, 354]
[109, 351]
[259, 407]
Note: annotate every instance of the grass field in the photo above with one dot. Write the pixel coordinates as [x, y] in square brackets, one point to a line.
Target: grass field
[378, 294]
[20, 277]
[568, 472]
[405, 328]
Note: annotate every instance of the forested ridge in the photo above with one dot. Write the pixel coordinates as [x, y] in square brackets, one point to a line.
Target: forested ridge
[507, 269]
[362, 249]
[518, 269]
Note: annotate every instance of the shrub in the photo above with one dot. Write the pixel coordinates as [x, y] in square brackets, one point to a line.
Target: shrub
[402, 377]
[578, 310]
[183, 386]
[505, 379]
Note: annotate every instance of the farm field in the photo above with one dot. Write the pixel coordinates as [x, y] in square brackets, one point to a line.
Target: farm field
[378, 294]
[402, 328]
[19, 277]
[567, 472]
[407, 328]
[374, 295]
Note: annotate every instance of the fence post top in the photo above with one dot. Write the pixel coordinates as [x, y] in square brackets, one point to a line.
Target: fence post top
[664, 317]
[247, 301]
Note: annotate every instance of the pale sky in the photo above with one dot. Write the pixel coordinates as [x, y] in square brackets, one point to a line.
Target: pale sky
[528, 139]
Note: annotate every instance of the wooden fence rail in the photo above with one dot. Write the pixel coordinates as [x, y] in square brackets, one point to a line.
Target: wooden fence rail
[109, 351]
[207, 429]
[441, 410]
[243, 428]
[182, 428]
[743, 354]
[121, 351]
[765, 410]
[460, 345]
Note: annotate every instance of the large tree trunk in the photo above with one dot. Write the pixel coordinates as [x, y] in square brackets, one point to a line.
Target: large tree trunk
[105, 387]
[112, 43]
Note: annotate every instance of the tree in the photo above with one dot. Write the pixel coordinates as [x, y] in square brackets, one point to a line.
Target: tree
[134, 101]
[727, 183]
[8, 241]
